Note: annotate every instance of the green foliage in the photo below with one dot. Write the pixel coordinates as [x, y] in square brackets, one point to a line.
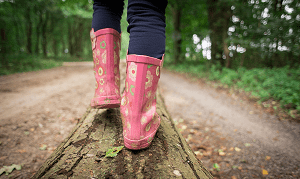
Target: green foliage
[24, 63]
[113, 152]
[9, 169]
[281, 84]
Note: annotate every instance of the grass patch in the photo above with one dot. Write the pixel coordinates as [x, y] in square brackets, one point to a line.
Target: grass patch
[25, 63]
[282, 84]
[73, 59]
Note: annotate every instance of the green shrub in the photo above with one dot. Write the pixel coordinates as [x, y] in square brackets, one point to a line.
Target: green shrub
[24, 63]
[281, 84]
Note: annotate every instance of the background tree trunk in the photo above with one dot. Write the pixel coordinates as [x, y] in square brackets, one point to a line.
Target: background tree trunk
[38, 33]
[218, 19]
[29, 31]
[177, 34]
[44, 34]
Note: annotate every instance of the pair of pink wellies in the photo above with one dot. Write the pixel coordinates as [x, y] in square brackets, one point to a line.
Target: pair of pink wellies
[138, 102]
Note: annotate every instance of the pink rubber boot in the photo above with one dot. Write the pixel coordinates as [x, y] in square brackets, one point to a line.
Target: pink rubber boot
[138, 105]
[106, 55]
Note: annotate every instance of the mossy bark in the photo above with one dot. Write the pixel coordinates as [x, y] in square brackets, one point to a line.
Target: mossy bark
[81, 154]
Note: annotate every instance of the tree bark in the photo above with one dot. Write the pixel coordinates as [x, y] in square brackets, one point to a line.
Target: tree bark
[38, 32]
[29, 31]
[44, 34]
[177, 34]
[3, 44]
[80, 155]
[78, 37]
[70, 39]
[218, 18]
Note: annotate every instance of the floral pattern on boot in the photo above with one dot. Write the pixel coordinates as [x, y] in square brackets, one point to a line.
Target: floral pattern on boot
[106, 56]
[138, 104]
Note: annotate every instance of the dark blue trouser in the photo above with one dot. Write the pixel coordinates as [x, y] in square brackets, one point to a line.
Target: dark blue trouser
[146, 19]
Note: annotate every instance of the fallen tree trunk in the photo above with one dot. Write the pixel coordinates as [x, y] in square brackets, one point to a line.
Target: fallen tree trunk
[81, 154]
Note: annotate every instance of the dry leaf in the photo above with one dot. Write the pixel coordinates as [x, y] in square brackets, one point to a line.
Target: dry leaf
[240, 168]
[233, 177]
[237, 149]
[265, 172]
[268, 157]
[21, 151]
[31, 129]
[222, 153]
[231, 149]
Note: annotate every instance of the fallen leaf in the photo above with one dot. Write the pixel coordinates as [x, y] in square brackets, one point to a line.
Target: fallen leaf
[268, 157]
[21, 151]
[216, 166]
[8, 169]
[231, 149]
[223, 148]
[198, 153]
[26, 132]
[250, 112]
[265, 172]
[237, 149]
[235, 130]
[31, 129]
[221, 153]
[43, 147]
[112, 152]
[177, 173]
[240, 168]
[208, 153]
[233, 177]
[183, 127]
[247, 144]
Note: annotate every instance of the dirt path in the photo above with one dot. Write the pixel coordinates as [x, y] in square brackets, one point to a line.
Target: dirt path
[38, 110]
[265, 142]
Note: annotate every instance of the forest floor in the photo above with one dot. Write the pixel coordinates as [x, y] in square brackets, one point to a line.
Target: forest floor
[230, 134]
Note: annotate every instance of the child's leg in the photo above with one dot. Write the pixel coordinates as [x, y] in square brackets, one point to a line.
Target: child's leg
[146, 48]
[146, 20]
[107, 14]
[105, 37]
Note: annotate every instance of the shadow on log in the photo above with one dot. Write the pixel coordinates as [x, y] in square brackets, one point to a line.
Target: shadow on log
[81, 154]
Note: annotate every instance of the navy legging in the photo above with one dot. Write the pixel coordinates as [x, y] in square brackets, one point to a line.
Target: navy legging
[146, 19]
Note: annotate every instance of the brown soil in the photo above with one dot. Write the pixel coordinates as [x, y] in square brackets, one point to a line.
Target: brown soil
[39, 109]
[231, 130]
